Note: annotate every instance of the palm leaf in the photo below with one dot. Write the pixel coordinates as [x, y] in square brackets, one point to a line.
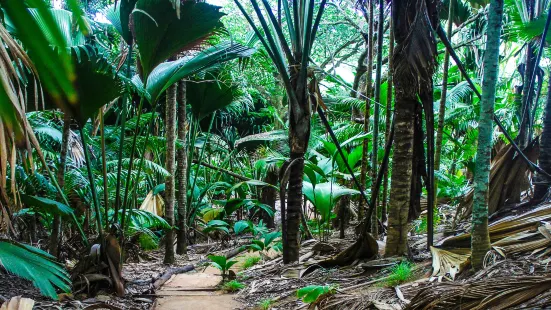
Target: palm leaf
[324, 196]
[47, 205]
[160, 34]
[34, 265]
[166, 74]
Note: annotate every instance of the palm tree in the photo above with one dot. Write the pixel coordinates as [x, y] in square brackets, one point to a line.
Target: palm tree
[480, 240]
[367, 91]
[181, 154]
[376, 113]
[170, 133]
[388, 118]
[291, 57]
[414, 64]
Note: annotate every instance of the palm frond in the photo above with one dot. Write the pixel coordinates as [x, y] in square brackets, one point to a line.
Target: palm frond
[34, 265]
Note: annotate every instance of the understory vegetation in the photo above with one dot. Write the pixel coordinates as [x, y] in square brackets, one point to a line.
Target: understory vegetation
[326, 147]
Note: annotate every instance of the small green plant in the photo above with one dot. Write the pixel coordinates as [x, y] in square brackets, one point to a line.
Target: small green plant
[266, 304]
[251, 261]
[267, 243]
[233, 286]
[400, 273]
[216, 225]
[313, 293]
[148, 242]
[241, 227]
[221, 263]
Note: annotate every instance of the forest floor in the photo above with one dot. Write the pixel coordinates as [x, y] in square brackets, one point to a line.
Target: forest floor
[365, 284]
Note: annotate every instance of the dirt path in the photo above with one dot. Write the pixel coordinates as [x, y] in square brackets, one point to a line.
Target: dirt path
[198, 291]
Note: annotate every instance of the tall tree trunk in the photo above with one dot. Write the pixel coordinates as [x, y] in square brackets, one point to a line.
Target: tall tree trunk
[525, 108]
[544, 160]
[400, 191]
[55, 238]
[480, 240]
[299, 134]
[181, 246]
[170, 131]
[367, 93]
[442, 109]
[388, 118]
[413, 67]
[376, 112]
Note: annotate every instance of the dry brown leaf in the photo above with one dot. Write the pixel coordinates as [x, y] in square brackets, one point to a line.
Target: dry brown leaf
[448, 262]
[18, 303]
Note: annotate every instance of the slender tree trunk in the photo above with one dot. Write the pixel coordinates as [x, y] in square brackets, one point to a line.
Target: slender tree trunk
[480, 241]
[55, 238]
[367, 93]
[525, 109]
[376, 112]
[388, 118]
[170, 131]
[181, 246]
[299, 134]
[442, 109]
[544, 159]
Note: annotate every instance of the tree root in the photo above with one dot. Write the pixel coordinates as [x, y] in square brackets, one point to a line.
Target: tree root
[365, 247]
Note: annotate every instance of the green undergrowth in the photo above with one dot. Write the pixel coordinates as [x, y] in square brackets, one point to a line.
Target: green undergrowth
[266, 304]
[251, 261]
[233, 286]
[400, 273]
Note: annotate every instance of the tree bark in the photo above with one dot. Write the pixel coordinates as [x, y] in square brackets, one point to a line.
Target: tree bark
[413, 67]
[402, 166]
[367, 93]
[442, 109]
[525, 108]
[388, 119]
[181, 246]
[544, 160]
[299, 135]
[376, 112]
[170, 132]
[55, 238]
[480, 241]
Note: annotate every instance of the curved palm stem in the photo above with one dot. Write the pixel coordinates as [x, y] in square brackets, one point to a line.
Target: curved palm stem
[202, 153]
[142, 161]
[121, 143]
[131, 164]
[92, 183]
[104, 168]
